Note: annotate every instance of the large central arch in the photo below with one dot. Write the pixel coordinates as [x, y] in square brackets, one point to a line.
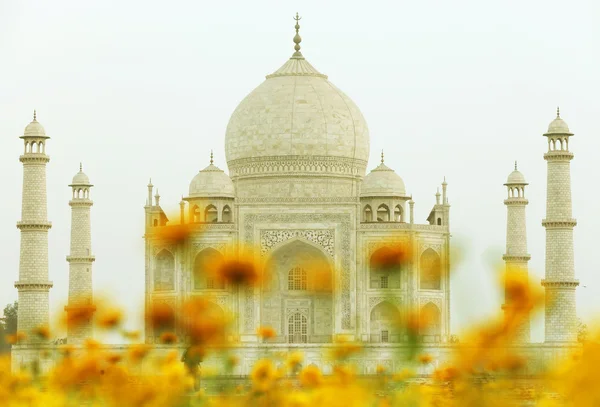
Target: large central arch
[298, 287]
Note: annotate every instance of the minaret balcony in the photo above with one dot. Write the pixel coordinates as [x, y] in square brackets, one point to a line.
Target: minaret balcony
[558, 155]
[516, 258]
[516, 201]
[560, 283]
[33, 286]
[559, 224]
[34, 225]
[81, 259]
[34, 158]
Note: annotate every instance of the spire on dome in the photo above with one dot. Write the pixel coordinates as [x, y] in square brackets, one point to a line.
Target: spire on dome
[558, 112]
[297, 38]
[34, 115]
[80, 167]
[515, 165]
[211, 157]
[382, 156]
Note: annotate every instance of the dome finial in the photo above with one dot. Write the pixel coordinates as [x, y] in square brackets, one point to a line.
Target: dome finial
[557, 112]
[34, 115]
[80, 167]
[211, 157]
[515, 165]
[382, 156]
[297, 38]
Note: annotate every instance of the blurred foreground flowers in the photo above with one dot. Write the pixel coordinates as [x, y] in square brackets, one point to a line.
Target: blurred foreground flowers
[196, 361]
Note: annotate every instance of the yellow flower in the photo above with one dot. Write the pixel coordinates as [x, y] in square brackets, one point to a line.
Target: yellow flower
[263, 375]
[109, 318]
[266, 332]
[42, 331]
[138, 352]
[294, 359]
[168, 338]
[311, 376]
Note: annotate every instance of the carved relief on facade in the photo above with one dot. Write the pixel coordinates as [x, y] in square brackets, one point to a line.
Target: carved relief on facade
[270, 239]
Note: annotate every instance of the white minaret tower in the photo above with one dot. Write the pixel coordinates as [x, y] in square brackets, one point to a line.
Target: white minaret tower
[80, 261]
[33, 284]
[560, 283]
[516, 256]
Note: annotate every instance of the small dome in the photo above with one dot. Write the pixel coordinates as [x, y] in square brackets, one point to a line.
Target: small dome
[34, 129]
[80, 178]
[212, 182]
[558, 125]
[516, 177]
[382, 181]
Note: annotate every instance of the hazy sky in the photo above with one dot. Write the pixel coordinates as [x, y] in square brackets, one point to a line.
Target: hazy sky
[458, 89]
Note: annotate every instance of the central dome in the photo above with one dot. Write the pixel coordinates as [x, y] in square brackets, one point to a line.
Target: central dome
[296, 114]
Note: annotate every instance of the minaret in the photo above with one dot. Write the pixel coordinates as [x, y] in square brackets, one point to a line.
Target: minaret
[516, 256]
[560, 283]
[33, 284]
[80, 308]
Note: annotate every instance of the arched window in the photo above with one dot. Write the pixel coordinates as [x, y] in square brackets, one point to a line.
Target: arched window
[383, 213]
[385, 323]
[297, 328]
[226, 217]
[367, 214]
[297, 279]
[431, 270]
[155, 222]
[211, 214]
[167, 320]
[431, 323]
[196, 214]
[398, 214]
[385, 269]
[439, 221]
[204, 273]
[164, 271]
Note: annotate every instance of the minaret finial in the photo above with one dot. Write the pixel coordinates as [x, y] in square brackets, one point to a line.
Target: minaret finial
[34, 115]
[382, 156]
[515, 165]
[297, 38]
[558, 112]
[211, 157]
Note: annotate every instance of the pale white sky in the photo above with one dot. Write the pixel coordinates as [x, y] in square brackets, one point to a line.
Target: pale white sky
[458, 89]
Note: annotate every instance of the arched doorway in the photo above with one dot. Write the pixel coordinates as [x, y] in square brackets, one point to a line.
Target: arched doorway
[297, 298]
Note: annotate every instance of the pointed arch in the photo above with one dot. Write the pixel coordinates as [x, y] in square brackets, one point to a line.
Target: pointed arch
[302, 282]
[385, 269]
[204, 270]
[431, 322]
[430, 270]
[383, 213]
[196, 214]
[227, 214]
[398, 213]
[211, 214]
[367, 214]
[164, 271]
[384, 323]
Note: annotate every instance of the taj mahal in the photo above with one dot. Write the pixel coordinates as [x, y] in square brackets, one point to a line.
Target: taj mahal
[300, 190]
